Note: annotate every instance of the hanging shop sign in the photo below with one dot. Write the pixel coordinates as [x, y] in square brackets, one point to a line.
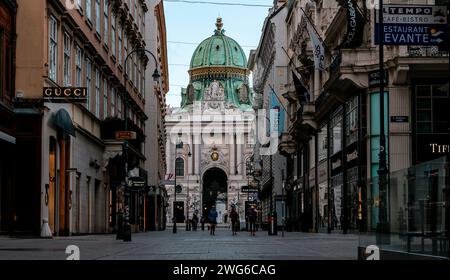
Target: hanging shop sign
[65, 94]
[413, 25]
[136, 182]
[374, 78]
[355, 25]
[125, 135]
[336, 164]
[352, 155]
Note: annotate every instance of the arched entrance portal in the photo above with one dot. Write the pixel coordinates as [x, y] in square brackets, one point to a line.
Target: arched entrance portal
[215, 192]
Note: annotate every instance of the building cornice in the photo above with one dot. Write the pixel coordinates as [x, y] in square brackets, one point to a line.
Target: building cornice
[211, 70]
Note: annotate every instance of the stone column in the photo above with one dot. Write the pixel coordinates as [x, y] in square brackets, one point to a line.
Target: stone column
[197, 146]
[239, 152]
[190, 158]
[232, 155]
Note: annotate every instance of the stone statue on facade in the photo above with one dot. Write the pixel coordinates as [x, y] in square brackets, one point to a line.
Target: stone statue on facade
[190, 94]
[243, 94]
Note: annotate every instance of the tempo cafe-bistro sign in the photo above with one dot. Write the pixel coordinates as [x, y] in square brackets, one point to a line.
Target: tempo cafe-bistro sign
[65, 94]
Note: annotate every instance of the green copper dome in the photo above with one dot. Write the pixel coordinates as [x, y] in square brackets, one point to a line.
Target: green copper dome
[218, 50]
[218, 75]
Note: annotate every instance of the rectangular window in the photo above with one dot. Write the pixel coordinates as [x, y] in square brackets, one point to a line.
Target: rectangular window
[143, 25]
[120, 30]
[67, 66]
[431, 109]
[88, 10]
[336, 132]
[323, 142]
[105, 98]
[79, 4]
[97, 93]
[139, 21]
[143, 83]
[351, 126]
[129, 62]
[53, 47]
[113, 34]
[134, 70]
[125, 51]
[78, 67]
[119, 106]
[106, 21]
[98, 24]
[113, 102]
[138, 80]
[375, 129]
[88, 83]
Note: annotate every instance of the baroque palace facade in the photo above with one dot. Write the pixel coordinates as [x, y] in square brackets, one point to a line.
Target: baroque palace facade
[210, 137]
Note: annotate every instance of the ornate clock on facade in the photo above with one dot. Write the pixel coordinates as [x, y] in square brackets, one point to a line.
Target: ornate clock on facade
[214, 154]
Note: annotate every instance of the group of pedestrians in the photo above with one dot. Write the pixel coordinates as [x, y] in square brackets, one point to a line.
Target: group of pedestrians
[251, 217]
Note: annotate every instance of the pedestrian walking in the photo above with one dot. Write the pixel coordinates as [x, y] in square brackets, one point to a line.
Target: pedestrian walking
[252, 220]
[212, 217]
[234, 217]
[194, 222]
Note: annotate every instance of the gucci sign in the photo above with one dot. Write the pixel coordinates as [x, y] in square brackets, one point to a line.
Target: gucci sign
[65, 94]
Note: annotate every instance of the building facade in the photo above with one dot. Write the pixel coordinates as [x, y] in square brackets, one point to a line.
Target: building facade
[75, 163]
[155, 109]
[335, 117]
[13, 211]
[269, 65]
[210, 137]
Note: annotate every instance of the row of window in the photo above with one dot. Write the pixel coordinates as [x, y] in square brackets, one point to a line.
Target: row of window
[114, 36]
[102, 7]
[87, 74]
[5, 66]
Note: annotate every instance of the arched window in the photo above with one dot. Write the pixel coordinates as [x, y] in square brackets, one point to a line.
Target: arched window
[179, 167]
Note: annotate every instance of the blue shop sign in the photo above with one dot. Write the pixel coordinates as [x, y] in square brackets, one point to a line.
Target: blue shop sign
[424, 25]
[413, 34]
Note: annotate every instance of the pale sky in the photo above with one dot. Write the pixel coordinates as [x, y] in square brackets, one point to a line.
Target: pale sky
[188, 23]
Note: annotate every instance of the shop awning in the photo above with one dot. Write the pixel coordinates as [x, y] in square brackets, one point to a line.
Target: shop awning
[62, 120]
[7, 137]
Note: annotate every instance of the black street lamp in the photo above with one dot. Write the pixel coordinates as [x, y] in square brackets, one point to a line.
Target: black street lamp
[174, 218]
[382, 226]
[188, 228]
[156, 76]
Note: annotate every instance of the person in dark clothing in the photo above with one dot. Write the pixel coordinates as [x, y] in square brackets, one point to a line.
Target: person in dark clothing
[194, 222]
[234, 217]
[252, 216]
[202, 222]
[212, 217]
